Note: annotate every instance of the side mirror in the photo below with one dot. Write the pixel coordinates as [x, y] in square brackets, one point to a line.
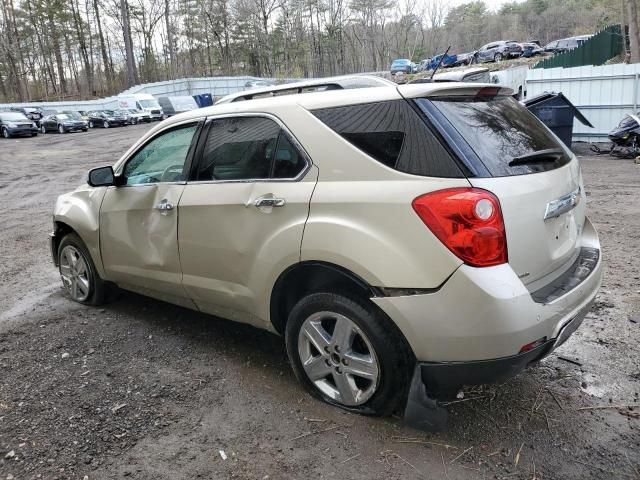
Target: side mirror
[101, 177]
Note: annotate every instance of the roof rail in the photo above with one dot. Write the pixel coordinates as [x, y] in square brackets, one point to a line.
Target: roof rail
[317, 85]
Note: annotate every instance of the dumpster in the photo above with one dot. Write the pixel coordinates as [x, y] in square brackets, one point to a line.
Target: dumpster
[556, 112]
[203, 100]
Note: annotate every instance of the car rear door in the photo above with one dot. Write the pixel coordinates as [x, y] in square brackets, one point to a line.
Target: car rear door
[242, 215]
[535, 177]
[139, 220]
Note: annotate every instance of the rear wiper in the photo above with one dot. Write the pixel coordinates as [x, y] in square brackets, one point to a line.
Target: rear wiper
[540, 156]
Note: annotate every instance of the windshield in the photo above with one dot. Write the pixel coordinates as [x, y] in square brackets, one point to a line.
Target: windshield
[499, 129]
[12, 117]
[110, 113]
[74, 115]
[62, 116]
[153, 103]
[400, 62]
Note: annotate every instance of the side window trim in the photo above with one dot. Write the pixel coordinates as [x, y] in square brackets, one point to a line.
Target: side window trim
[198, 157]
[199, 122]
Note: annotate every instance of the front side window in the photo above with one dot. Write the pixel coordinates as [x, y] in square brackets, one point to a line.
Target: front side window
[248, 148]
[162, 159]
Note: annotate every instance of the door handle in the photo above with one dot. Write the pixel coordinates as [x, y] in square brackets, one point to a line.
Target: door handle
[269, 201]
[164, 206]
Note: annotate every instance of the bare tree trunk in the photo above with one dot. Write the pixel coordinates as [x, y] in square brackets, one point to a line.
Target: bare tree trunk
[170, 45]
[57, 48]
[132, 74]
[106, 65]
[634, 41]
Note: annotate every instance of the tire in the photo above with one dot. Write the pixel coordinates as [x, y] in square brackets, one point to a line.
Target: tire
[91, 291]
[34, 134]
[497, 57]
[43, 129]
[85, 129]
[90, 123]
[5, 133]
[381, 349]
[61, 129]
[105, 124]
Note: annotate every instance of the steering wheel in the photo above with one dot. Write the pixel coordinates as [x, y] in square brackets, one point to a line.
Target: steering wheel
[171, 169]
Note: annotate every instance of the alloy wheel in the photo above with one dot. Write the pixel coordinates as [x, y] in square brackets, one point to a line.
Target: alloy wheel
[75, 273]
[60, 129]
[105, 124]
[338, 358]
[5, 133]
[90, 124]
[43, 130]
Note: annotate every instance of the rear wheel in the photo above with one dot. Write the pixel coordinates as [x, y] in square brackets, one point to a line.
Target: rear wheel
[78, 273]
[347, 353]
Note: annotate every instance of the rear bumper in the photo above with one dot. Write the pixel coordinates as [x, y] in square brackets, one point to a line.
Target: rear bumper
[488, 313]
[443, 379]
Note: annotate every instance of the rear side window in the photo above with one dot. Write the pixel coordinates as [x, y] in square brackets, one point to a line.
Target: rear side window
[505, 136]
[392, 133]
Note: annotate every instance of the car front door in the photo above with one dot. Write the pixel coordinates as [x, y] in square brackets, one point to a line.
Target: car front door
[139, 219]
[242, 215]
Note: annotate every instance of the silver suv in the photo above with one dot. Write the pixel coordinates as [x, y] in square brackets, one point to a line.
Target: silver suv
[405, 240]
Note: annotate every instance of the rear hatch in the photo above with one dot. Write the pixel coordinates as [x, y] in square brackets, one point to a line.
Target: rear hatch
[537, 180]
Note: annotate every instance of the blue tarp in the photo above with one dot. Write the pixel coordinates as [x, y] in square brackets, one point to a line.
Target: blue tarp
[448, 60]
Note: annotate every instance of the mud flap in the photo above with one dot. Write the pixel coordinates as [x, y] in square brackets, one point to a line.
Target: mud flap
[423, 412]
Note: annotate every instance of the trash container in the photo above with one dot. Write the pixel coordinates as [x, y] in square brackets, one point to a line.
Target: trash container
[556, 112]
[203, 100]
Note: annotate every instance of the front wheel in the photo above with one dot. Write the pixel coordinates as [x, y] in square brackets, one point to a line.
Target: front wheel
[78, 273]
[5, 133]
[43, 130]
[497, 57]
[105, 124]
[348, 353]
[90, 124]
[61, 129]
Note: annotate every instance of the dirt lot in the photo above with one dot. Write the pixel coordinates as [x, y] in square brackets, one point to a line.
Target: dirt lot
[146, 390]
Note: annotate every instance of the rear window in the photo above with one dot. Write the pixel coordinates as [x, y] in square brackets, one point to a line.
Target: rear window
[502, 131]
[394, 134]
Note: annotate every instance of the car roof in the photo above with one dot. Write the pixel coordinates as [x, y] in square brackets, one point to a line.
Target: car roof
[333, 83]
[337, 98]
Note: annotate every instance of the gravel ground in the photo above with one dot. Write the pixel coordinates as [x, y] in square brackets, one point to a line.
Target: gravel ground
[145, 390]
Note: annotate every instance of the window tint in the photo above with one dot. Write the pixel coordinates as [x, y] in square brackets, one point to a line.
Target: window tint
[162, 159]
[499, 129]
[393, 134]
[287, 162]
[248, 148]
[239, 149]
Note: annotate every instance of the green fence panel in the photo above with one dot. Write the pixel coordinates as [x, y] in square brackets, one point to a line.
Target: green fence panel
[604, 45]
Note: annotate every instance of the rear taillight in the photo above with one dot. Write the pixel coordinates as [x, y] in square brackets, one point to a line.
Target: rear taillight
[468, 221]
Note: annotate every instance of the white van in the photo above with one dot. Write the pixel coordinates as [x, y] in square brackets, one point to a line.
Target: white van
[142, 101]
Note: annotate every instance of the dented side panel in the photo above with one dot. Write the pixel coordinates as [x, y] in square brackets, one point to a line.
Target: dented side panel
[80, 210]
[139, 241]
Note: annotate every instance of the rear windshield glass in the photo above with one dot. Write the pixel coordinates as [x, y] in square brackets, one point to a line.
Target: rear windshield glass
[505, 136]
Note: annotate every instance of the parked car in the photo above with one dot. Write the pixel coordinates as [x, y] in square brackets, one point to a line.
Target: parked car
[566, 44]
[498, 51]
[142, 101]
[106, 119]
[14, 123]
[447, 61]
[127, 115]
[77, 115]
[351, 222]
[258, 84]
[139, 116]
[424, 64]
[403, 65]
[530, 49]
[177, 104]
[32, 113]
[63, 123]
[464, 59]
